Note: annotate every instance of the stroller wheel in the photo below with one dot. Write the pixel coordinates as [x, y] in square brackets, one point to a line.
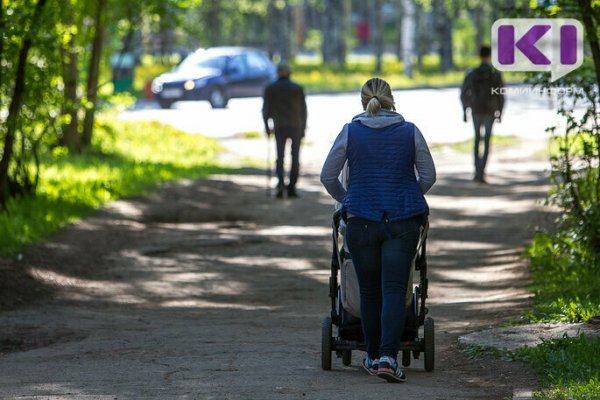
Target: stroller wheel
[406, 358]
[429, 344]
[326, 344]
[347, 357]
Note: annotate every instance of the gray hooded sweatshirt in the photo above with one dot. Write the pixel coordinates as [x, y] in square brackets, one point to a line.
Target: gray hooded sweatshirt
[336, 162]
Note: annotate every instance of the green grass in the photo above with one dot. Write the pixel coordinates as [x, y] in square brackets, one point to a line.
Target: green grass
[251, 135]
[569, 367]
[565, 290]
[127, 159]
[467, 145]
[316, 77]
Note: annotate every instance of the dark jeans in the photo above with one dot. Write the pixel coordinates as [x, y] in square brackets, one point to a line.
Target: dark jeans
[382, 253]
[482, 121]
[281, 138]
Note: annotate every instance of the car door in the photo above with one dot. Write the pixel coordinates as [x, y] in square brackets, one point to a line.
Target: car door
[259, 73]
[235, 76]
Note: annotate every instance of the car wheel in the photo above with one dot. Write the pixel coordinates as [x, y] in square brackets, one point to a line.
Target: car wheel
[217, 98]
[165, 104]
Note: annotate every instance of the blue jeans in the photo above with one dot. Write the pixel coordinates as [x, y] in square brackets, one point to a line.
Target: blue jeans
[382, 253]
[482, 121]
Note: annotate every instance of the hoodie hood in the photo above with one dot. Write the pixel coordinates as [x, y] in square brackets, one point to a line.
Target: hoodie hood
[380, 120]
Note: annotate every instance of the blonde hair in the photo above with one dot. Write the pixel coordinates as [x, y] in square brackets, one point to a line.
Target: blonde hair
[375, 95]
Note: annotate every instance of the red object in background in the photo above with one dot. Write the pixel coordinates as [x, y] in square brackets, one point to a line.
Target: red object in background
[148, 90]
[363, 31]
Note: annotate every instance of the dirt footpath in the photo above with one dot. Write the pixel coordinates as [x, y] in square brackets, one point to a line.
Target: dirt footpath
[211, 290]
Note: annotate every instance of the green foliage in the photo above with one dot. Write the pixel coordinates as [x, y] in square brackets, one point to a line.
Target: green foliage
[566, 262]
[570, 368]
[565, 290]
[127, 159]
[464, 35]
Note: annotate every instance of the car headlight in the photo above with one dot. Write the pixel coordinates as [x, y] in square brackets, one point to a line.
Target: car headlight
[157, 86]
[189, 85]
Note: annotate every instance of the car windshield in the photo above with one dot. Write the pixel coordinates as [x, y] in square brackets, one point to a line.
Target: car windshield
[201, 61]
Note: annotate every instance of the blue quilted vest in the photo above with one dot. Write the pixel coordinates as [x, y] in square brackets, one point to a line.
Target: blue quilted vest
[382, 183]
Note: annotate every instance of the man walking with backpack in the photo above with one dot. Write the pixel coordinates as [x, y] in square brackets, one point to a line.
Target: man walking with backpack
[482, 93]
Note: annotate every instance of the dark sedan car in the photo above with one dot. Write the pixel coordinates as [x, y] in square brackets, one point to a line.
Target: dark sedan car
[217, 75]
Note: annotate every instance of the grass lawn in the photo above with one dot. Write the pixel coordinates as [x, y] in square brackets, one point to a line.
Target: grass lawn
[467, 145]
[127, 159]
[566, 288]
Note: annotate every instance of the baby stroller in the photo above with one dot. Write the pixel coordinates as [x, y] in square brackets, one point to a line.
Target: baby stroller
[345, 308]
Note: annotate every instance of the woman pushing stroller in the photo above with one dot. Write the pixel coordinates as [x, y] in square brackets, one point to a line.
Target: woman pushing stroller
[384, 208]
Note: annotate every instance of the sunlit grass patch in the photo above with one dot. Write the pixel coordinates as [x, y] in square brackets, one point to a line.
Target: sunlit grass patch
[467, 145]
[127, 159]
[316, 77]
[569, 367]
[564, 290]
[251, 135]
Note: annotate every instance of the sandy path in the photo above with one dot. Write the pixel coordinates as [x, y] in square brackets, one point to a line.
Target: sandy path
[209, 290]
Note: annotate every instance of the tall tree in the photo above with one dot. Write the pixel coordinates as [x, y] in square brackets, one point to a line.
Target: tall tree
[213, 21]
[94, 73]
[408, 36]
[378, 29]
[334, 28]
[592, 27]
[7, 187]
[399, 18]
[443, 22]
[2, 29]
[423, 36]
[279, 18]
[70, 135]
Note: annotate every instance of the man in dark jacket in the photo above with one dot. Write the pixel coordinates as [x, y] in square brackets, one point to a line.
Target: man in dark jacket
[284, 103]
[482, 93]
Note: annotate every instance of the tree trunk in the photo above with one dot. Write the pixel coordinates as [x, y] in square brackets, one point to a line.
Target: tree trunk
[592, 34]
[93, 75]
[408, 36]
[279, 31]
[334, 32]
[2, 29]
[70, 137]
[344, 28]
[378, 28]
[479, 30]
[328, 29]
[15, 106]
[399, 18]
[443, 29]
[213, 21]
[422, 35]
